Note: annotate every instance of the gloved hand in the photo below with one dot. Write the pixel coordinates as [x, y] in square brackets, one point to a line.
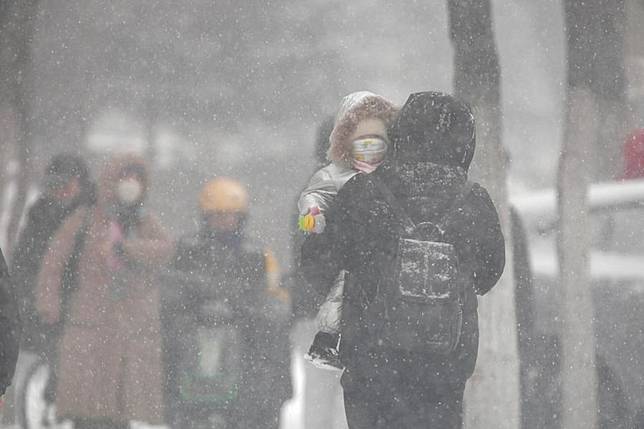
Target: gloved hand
[312, 221]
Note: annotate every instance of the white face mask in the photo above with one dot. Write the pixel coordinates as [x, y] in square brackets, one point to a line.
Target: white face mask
[371, 150]
[129, 191]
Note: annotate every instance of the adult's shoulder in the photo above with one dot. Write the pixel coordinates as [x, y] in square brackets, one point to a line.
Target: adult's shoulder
[188, 243]
[480, 197]
[189, 240]
[186, 248]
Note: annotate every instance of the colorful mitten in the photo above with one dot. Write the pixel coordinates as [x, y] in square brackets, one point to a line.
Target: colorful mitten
[313, 221]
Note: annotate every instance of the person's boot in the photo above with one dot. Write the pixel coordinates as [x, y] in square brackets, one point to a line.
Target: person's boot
[324, 352]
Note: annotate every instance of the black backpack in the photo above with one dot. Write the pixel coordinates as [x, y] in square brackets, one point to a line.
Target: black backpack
[419, 304]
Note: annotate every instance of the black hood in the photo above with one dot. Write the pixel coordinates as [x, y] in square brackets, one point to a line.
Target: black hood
[434, 127]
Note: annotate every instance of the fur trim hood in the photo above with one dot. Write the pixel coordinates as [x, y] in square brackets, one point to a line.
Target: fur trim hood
[354, 108]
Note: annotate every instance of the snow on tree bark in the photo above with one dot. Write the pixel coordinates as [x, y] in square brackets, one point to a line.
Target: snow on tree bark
[594, 118]
[493, 393]
[578, 374]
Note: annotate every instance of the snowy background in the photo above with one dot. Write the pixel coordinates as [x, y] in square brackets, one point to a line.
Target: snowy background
[203, 94]
[238, 88]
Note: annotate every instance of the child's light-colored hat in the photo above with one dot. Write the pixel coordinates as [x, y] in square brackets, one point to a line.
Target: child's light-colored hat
[354, 108]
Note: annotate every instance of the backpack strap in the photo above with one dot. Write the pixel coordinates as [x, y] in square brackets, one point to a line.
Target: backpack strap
[463, 193]
[407, 223]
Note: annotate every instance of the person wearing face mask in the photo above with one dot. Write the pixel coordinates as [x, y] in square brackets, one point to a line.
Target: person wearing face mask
[358, 145]
[421, 243]
[99, 285]
[232, 361]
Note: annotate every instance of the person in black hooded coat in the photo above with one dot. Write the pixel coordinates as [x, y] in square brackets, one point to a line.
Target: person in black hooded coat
[433, 145]
[66, 186]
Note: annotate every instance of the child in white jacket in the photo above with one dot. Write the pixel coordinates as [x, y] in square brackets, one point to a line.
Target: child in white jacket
[358, 144]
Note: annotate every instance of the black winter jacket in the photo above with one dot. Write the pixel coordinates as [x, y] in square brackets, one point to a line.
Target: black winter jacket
[237, 274]
[362, 237]
[9, 328]
[43, 220]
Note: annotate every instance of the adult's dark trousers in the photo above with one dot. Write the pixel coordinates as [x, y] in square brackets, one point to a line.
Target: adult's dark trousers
[401, 401]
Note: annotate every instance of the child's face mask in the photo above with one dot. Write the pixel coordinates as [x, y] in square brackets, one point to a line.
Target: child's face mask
[371, 150]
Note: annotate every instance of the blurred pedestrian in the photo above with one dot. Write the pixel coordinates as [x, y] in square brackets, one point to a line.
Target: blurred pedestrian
[9, 329]
[420, 242]
[66, 185]
[240, 314]
[109, 361]
[634, 155]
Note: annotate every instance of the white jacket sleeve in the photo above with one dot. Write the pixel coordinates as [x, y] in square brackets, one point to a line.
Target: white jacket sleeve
[324, 187]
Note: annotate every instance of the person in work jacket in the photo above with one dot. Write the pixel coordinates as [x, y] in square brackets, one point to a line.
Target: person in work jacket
[433, 142]
[109, 364]
[249, 279]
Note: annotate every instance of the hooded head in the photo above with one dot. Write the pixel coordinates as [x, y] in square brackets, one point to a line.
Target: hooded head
[123, 185]
[67, 178]
[361, 114]
[434, 127]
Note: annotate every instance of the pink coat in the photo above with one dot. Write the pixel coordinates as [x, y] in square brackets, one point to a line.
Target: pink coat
[110, 351]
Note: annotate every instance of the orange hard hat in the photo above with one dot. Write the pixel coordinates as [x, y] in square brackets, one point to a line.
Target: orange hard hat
[224, 195]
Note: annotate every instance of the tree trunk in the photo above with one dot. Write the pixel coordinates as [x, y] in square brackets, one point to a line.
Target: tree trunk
[594, 130]
[578, 374]
[17, 30]
[493, 394]
[604, 34]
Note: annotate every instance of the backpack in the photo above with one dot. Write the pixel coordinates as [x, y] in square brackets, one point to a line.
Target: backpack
[418, 306]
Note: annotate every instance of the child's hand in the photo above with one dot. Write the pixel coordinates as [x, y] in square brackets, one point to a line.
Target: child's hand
[313, 221]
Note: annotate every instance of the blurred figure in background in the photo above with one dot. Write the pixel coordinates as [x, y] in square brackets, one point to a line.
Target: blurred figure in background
[634, 155]
[66, 186]
[233, 366]
[9, 329]
[99, 285]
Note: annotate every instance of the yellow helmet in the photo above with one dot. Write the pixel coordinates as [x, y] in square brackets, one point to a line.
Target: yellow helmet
[224, 195]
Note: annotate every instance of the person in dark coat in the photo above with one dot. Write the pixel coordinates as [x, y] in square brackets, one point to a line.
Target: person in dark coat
[9, 328]
[433, 145]
[241, 292]
[66, 186]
